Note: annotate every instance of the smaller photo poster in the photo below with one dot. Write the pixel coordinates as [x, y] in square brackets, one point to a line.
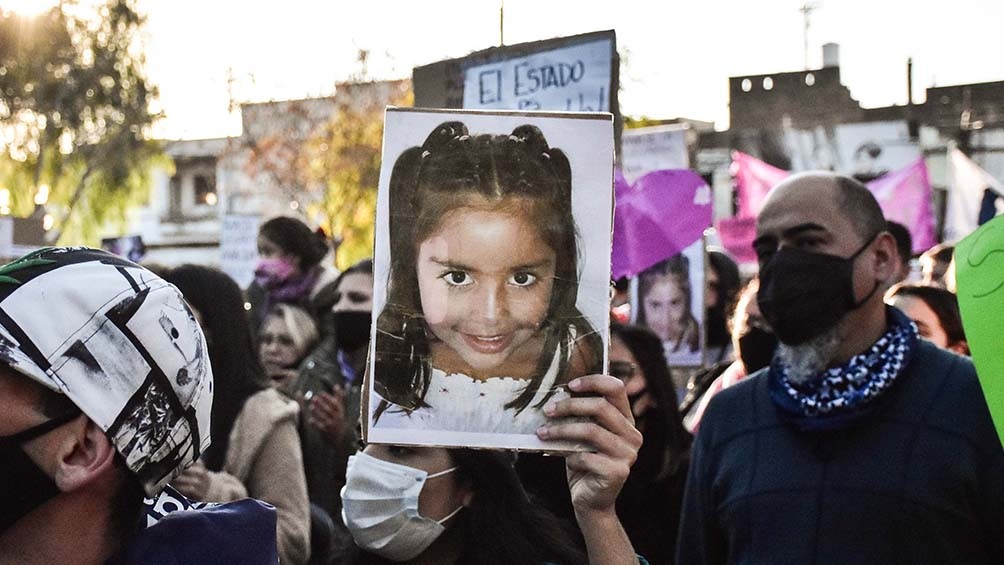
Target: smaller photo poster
[668, 298]
[491, 274]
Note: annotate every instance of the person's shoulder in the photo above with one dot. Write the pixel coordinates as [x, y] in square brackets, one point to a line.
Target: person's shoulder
[270, 405]
[947, 389]
[737, 408]
[235, 532]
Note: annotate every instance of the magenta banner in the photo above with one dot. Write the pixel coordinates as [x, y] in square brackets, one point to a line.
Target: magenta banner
[904, 195]
[754, 179]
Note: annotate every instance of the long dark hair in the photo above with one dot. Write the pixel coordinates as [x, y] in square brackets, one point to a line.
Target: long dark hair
[233, 354]
[666, 441]
[296, 238]
[501, 525]
[430, 180]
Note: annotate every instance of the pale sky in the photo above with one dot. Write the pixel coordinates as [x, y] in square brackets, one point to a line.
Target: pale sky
[677, 56]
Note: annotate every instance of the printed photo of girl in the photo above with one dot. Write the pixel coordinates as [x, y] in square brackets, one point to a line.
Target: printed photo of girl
[483, 317]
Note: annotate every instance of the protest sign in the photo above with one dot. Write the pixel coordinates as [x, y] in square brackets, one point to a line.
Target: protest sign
[658, 148]
[491, 274]
[668, 298]
[576, 78]
[239, 247]
[979, 275]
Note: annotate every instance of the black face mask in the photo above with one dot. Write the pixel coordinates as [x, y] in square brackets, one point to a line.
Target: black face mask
[756, 349]
[23, 485]
[803, 294]
[352, 329]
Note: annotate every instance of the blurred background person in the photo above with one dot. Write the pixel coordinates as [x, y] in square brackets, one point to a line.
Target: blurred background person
[935, 311]
[256, 449]
[934, 264]
[329, 389]
[754, 344]
[649, 503]
[721, 286]
[289, 269]
[904, 247]
[286, 336]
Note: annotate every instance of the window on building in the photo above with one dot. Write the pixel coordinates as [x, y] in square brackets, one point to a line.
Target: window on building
[205, 190]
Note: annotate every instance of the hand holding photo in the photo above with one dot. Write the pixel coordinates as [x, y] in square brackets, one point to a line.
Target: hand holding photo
[494, 300]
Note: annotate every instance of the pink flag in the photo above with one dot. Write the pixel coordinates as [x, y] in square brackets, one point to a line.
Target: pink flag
[737, 235]
[754, 179]
[905, 197]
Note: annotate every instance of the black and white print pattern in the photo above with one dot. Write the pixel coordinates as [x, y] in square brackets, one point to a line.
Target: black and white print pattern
[122, 344]
[862, 379]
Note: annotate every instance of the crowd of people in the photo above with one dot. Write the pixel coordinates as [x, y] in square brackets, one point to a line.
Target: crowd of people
[838, 420]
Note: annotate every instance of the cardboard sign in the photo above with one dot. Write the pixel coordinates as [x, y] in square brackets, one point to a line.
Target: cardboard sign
[491, 274]
[569, 79]
[668, 299]
[979, 275]
[659, 148]
[239, 247]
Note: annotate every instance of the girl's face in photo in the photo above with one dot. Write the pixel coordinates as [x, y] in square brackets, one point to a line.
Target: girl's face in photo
[485, 277]
[665, 307]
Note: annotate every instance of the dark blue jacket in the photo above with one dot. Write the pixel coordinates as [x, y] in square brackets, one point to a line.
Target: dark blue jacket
[181, 532]
[919, 480]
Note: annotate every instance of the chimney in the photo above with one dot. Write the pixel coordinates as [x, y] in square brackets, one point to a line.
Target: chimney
[831, 55]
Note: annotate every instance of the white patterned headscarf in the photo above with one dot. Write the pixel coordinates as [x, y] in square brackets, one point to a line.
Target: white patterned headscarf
[121, 343]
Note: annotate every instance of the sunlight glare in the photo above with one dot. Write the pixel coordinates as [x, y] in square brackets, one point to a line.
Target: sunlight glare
[27, 8]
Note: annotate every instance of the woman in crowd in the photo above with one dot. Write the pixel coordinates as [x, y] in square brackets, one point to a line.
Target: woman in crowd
[286, 336]
[720, 291]
[289, 269]
[936, 313]
[439, 506]
[328, 387]
[255, 449]
[649, 505]
[754, 343]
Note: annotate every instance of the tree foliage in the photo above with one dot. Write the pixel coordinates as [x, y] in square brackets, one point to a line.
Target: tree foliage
[74, 111]
[343, 159]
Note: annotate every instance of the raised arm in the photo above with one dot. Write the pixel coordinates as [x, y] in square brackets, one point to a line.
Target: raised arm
[595, 477]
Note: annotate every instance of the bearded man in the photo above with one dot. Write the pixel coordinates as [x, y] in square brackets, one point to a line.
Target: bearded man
[859, 443]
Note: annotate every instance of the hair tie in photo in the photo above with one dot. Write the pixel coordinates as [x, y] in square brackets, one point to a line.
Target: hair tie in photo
[516, 138]
[426, 153]
[546, 155]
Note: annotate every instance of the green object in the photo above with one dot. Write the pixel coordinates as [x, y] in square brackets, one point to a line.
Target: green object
[979, 275]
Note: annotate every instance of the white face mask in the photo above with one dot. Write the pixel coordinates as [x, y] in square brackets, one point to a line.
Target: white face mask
[380, 507]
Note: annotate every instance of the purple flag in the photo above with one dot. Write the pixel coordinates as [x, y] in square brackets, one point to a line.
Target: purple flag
[656, 218]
